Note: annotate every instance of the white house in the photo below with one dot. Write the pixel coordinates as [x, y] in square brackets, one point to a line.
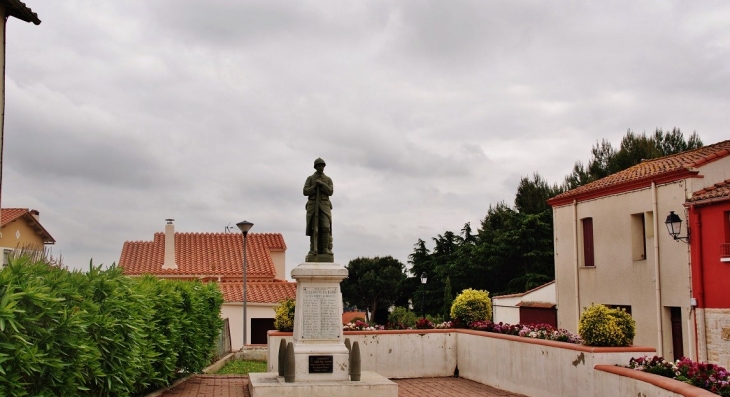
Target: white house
[612, 246]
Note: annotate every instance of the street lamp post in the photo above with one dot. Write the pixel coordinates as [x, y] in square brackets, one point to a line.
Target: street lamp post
[424, 278]
[245, 226]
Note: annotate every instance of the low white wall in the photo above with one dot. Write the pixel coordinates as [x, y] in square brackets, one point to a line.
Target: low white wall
[534, 367]
[393, 354]
[613, 381]
[505, 314]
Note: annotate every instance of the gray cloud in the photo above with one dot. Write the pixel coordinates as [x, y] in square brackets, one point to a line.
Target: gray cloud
[119, 115]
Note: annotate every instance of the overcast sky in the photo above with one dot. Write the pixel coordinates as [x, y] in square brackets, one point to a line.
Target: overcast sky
[120, 114]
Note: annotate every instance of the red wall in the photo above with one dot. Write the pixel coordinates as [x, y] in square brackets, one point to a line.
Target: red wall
[710, 277]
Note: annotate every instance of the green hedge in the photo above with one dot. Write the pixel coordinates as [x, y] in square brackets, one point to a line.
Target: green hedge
[100, 333]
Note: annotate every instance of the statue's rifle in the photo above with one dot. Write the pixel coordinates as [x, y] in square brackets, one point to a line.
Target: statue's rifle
[315, 227]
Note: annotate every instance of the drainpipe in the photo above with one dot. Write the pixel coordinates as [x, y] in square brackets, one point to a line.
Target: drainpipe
[576, 262]
[657, 280]
[699, 292]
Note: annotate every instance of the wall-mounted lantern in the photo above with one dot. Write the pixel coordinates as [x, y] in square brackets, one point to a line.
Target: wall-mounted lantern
[674, 227]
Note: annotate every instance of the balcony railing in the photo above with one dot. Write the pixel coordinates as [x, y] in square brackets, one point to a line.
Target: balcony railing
[725, 252]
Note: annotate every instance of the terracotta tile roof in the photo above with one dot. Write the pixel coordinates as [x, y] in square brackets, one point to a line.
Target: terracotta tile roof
[204, 254]
[663, 169]
[347, 317]
[259, 292]
[716, 192]
[8, 215]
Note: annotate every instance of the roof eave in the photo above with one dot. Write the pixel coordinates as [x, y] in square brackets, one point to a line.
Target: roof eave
[625, 187]
[18, 9]
[707, 201]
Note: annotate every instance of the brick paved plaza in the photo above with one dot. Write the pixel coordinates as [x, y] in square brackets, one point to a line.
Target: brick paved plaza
[237, 386]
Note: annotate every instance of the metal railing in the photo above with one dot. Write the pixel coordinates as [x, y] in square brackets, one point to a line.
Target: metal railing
[223, 345]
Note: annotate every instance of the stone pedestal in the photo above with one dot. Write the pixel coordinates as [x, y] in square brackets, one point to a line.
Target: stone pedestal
[319, 344]
[320, 357]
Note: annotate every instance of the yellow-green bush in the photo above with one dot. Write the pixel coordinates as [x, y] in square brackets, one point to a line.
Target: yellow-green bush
[284, 319]
[471, 305]
[601, 326]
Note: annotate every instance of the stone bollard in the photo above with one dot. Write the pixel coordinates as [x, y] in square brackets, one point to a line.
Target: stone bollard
[289, 370]
[282, 357]
[347, 345]
[355, 368]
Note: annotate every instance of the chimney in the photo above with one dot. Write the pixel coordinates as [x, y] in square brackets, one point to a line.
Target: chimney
[169, 245]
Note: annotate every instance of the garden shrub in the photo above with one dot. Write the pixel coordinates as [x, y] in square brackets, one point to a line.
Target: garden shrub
[601, 326]
[100, 333]
[470, 306]
[401, 318]
[284, 318]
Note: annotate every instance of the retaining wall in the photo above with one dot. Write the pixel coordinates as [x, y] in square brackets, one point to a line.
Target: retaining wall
[533, 367]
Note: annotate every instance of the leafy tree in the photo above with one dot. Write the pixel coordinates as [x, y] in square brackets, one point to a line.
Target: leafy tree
[532, 194]
[605, 160]
[373, 282]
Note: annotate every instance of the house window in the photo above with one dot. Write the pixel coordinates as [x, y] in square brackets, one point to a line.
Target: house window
[638, 236]
[6, 254]
[725, 247]
[588, 252]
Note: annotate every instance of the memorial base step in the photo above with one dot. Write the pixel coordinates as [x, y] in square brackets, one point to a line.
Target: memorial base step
[268, 384]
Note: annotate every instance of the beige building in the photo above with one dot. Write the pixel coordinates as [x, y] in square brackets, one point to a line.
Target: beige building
[218, 258]
[612, 247]
[20, 228]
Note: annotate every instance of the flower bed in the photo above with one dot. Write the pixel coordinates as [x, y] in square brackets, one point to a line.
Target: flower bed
[710, 377]
[537, 331]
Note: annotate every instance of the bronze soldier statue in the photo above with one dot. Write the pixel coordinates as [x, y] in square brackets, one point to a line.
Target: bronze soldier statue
[319, 188]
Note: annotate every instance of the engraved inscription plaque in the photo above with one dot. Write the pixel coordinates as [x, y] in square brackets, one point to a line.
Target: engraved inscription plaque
[320, 364]
[320, 313]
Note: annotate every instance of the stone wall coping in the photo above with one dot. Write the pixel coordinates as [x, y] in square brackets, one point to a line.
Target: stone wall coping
[665, 383]
[561, 345]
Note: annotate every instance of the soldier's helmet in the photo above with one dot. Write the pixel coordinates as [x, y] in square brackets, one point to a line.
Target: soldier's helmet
[319, 161]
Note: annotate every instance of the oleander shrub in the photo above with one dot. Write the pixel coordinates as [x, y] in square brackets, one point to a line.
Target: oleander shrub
[100, 333]
[471, 305]
[284, 318]
[602, 326]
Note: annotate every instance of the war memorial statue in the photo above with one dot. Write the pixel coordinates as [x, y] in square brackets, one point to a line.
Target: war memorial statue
[318, 188]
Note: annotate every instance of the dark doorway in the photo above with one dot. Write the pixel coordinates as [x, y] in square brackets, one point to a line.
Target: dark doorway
[677, 345]
[259, 328]
[539, 315]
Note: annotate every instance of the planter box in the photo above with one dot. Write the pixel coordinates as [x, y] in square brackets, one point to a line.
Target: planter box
[535, 367]
[618, 381]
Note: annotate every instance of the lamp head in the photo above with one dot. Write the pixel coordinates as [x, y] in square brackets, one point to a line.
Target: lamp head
[245, 226]
[674, 224]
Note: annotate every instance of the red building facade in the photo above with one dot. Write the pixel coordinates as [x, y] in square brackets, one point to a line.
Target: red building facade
[709, 220]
